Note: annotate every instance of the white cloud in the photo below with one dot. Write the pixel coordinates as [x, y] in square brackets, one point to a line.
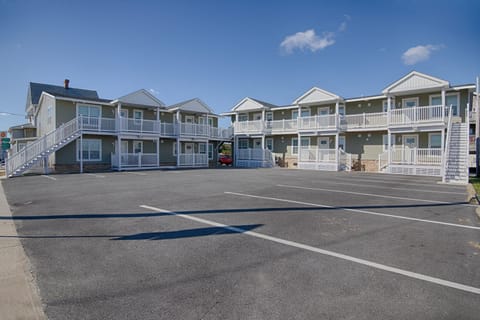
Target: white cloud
[419, 53]
[307, 40]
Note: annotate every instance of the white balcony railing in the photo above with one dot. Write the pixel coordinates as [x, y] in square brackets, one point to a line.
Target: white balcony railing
[97, 124]
[193, 160]
[136, 160]
[256, 126]
[280, 126]
[364, 121]
[194, 129]
[318, 122]
[418, 115]
[416, 156]
[317, 155]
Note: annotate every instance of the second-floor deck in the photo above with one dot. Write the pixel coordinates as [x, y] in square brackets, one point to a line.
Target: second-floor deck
[152, 127]
[398, 118]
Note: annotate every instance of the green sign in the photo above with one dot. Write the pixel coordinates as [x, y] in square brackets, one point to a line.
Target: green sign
[5, 143]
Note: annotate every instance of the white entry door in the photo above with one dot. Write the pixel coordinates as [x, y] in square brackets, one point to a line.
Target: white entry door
[257, 143]
[323, 145]
[189, 148]
[410, 145]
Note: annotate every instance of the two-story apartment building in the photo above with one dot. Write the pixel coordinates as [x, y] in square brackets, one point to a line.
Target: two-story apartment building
[417, 125]
[76, 130]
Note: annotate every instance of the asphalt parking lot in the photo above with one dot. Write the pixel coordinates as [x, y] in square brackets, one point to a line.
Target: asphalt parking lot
[249, 244]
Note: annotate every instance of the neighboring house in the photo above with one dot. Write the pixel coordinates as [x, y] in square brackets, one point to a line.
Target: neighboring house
[417, 125]
[21, 135]
[76, 131]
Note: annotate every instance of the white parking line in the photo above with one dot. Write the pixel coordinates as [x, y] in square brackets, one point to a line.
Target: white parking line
[95, 175]
[436, 185]
[354, 210]
[51, 178]
[137, 173]
[390, 188]
[298, 245]
[361, 194]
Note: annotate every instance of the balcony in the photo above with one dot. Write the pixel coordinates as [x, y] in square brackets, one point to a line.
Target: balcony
[318, 123]
[249, 127]
[151, 127]
[412, 161]
[418, 116]
[193, 160]
[364, 121]
[282, 126]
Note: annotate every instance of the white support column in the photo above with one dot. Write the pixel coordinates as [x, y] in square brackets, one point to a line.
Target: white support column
[263, 142]
[119, 113]
[178, 151]
[158, 114]
[81, 153]
[178, 119]
[389, 150]
[235, 150]
[389, 108]
[337, 151]
[263, 115]
[443, 97]
[158, 152]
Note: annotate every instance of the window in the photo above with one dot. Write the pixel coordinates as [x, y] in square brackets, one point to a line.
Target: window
[137, 146]
[385, 141]
[385, 105]
[210, 122]
[269, 116]
[323, 111]
[49, 114]
[341, 110]
[137, 116]
[305, 112]
[243, 117]
[210, 151]
[92, 149]
[202, 148]
[434, 140]
[88, 111]
[304, 144]
[341, 142]
[242, 143]
[269, 143]
[450, 100]
[410, 103]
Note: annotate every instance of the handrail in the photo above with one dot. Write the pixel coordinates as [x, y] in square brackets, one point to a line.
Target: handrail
[467, 129]
[36, 148]
[446, 146]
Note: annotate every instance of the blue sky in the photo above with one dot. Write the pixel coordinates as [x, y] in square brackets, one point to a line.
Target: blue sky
[222, 51]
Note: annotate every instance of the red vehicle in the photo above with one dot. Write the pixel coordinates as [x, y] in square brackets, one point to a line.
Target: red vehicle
[224, 159]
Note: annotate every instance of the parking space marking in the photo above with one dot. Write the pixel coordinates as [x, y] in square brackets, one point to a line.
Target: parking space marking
[433, 184]
[136, 173]
[354, 210]
[361, 194]
[95, 175]
[51, 178]
[306, 247]
[383, 187]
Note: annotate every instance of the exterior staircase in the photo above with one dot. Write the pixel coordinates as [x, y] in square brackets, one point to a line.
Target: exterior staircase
[456, 169]
[34, 152]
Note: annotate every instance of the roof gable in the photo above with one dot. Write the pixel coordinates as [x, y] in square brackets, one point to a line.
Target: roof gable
[416, 81]
[317, 95]
[249, 104]
[192, 105]
[141, 97]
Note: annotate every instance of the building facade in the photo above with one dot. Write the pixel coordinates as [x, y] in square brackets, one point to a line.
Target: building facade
[418, 125]
[75, 130]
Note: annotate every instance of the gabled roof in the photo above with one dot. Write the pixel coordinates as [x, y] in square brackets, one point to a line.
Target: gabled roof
[416, 82]
[250, 104]
[35, 91]
[317, 95]
[193, 105]
[140, 97]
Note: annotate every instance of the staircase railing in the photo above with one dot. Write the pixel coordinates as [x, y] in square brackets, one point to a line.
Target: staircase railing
[345, 160]
[446, 146]
[36, 148]
[383, 160]
[467, 133]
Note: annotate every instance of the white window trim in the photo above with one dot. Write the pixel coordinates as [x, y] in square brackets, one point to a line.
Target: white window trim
[78, 105]
[125, 111]
[243, 115]
[309, 142]
[340, 107]
[392, 141]
[457, 94]
[267, 140]
[89, 160]
[205, 150]
[189, 116]
[134, 145]
[385, 105]
[293, 146]
[323, 138]
[256, 140]
[430, 134]
[323, 109]
[405, 100]
[267, 114]
[239, 144]
[255, 115]
[210, 151]
[137, 121]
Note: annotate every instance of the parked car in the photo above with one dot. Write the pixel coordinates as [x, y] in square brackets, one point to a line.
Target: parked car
[225, 159]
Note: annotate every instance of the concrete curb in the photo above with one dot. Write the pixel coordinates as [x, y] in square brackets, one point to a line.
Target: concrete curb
[19, 295]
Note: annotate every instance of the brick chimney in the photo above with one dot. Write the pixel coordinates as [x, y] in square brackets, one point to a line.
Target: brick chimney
[66, 82]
